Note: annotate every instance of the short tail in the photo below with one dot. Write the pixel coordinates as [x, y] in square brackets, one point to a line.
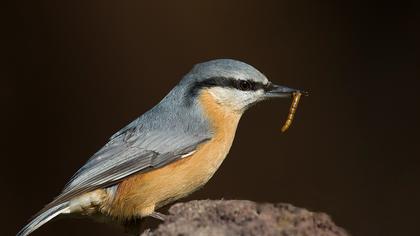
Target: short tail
[43, 218]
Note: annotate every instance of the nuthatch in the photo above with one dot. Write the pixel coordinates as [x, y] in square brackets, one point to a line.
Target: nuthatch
[169, 151]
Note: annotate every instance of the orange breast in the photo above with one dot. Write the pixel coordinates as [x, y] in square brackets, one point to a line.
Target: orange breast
[140, 194]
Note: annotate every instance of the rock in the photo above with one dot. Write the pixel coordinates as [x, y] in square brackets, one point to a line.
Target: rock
[240, 217]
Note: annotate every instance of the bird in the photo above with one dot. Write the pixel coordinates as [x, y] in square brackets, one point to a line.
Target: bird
[168, 152]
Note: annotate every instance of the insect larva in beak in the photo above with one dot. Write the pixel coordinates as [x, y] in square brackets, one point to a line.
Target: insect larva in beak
[292, 110]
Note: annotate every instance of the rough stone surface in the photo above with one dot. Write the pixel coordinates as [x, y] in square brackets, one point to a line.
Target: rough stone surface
[240, 217]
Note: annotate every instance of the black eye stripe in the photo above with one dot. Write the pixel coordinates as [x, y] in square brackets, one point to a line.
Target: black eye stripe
[228, 83]
[244, 85]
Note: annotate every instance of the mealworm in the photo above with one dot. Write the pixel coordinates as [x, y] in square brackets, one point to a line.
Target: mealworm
[292, 110]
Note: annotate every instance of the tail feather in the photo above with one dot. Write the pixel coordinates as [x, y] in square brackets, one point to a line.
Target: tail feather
[43, 218]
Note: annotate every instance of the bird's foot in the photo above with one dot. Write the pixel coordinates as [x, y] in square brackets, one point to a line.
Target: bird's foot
[158, 215]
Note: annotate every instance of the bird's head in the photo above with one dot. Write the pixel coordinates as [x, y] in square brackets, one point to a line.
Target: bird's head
[233, 84]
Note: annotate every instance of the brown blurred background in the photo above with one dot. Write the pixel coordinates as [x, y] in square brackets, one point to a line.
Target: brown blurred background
[75, 72]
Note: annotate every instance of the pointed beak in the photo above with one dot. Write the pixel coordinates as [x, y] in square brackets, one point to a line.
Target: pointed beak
[277, 91]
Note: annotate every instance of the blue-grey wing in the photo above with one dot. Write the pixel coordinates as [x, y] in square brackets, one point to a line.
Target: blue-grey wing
[131, 151]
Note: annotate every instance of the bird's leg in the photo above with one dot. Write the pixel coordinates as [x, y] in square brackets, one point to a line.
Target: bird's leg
[158, 215]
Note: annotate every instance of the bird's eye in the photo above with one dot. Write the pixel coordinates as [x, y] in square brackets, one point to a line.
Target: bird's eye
[244, 85]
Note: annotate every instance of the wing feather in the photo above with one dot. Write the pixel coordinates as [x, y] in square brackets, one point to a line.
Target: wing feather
[120, 159]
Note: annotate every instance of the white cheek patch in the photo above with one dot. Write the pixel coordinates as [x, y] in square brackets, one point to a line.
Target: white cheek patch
[234, 98]
[222, 95]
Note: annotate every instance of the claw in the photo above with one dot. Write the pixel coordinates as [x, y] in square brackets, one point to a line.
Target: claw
[158, 215]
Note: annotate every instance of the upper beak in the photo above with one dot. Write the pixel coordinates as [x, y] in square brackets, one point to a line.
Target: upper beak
[277, 91]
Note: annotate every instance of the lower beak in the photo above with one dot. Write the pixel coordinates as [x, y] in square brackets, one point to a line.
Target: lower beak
[277, 91]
